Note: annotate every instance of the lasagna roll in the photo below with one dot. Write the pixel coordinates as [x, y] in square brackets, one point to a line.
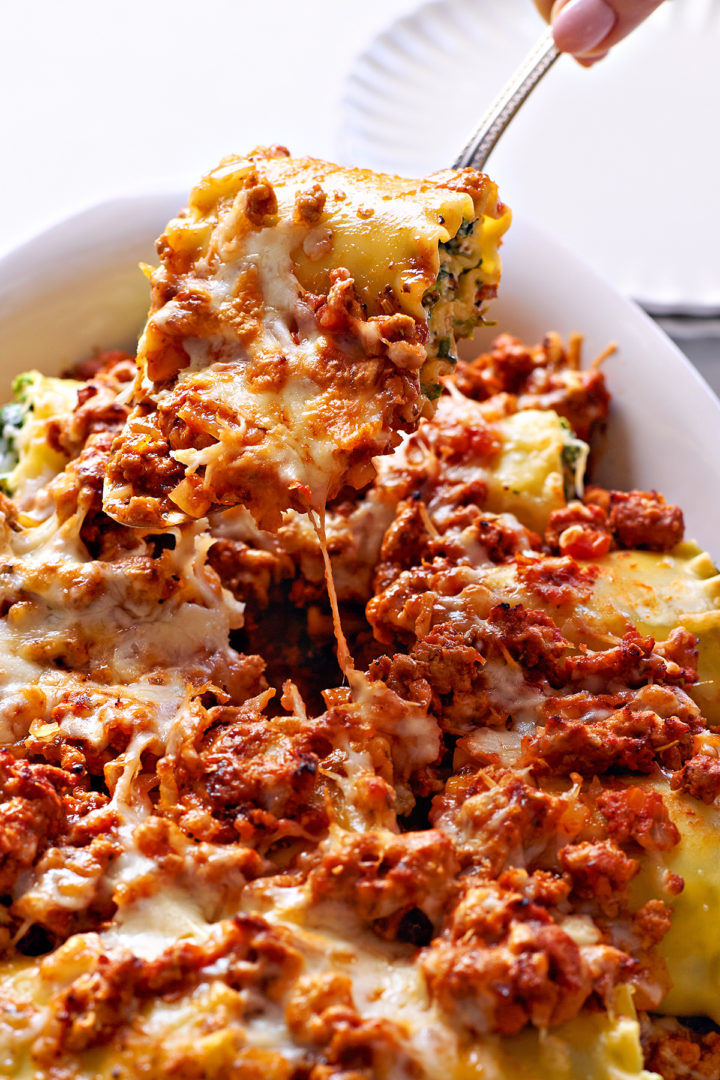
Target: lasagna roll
[302, 316]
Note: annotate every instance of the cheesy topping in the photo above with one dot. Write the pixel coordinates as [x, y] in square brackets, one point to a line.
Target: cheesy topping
[283, 350]
[488, 857]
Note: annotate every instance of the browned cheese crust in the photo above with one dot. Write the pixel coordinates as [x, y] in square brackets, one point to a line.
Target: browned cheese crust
[282, 351]
[218, 860]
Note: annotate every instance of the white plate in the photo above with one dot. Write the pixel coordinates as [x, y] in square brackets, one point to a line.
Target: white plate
[620, 161]
[77, 286]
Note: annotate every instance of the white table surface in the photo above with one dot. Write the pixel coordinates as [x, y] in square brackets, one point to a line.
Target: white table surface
[705, 355]
[121, 96]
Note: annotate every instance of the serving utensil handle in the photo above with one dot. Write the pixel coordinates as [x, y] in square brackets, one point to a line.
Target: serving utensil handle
[482, 142]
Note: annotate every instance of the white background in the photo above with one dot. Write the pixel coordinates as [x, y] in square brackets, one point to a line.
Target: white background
[108, 97]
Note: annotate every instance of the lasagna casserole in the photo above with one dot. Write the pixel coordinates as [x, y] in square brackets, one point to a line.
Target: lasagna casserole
[486, 851]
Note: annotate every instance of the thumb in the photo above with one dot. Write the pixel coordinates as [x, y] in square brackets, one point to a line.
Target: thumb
[588, 28]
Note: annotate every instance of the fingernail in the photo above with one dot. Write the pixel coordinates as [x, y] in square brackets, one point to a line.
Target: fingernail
[591, 61]
[581, 25]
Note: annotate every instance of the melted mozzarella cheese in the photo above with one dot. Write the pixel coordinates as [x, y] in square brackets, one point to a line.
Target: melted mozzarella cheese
[263, 401]
[365, 217]
[44, 400]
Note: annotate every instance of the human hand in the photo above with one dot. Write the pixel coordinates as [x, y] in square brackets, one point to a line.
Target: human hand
[589, 28]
